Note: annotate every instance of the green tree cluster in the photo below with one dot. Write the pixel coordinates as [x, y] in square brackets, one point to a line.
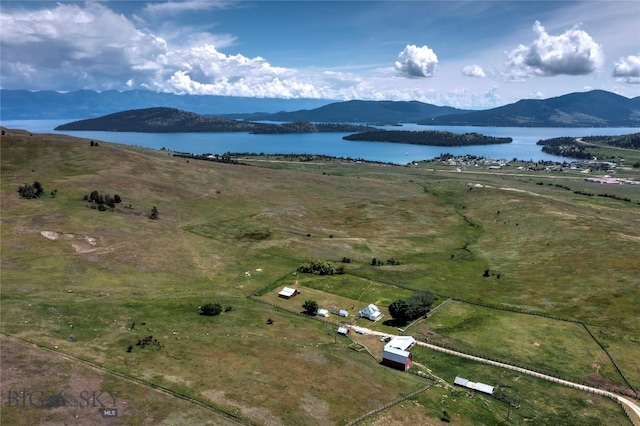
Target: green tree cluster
[321, 267]
[102, 200]
[416, 306]
[34, 190]
[427, 137]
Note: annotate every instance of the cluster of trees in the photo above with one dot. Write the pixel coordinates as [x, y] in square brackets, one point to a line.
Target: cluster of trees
[34, 190]
[391, 261]
[213, 309]
[416, 306]
[321, 267]
[631, 141]
[147, 341]
[306, 127]
[101, 200]
[565, 147]
[432, 137]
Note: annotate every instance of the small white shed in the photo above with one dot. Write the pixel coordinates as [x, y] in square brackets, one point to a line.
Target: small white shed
[288, 293]
[343, 330]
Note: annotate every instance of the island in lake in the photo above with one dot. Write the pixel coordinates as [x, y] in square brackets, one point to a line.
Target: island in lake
[172, 120]
[432, 137]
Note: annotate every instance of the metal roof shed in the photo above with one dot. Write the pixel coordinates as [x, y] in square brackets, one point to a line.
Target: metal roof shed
[343, 330]
[480, 387]
[322, 312]
[288, 292]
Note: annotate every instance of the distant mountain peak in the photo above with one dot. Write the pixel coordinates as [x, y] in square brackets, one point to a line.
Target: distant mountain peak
[595, 108]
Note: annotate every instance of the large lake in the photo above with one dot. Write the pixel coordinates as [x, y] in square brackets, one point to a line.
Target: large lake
[523, 146]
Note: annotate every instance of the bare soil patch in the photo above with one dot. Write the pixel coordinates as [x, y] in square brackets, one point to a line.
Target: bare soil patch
[80, 243]
[605, 383]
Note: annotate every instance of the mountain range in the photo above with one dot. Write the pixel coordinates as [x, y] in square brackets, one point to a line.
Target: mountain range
[595, 108]
[27, 105]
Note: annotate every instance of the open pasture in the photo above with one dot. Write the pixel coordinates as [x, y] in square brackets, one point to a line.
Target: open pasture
[93, 283]
[556, 347]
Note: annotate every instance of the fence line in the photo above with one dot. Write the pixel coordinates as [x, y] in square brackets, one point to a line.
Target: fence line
[613, 361]
[550, 376]
[388, 405]
[607, 394]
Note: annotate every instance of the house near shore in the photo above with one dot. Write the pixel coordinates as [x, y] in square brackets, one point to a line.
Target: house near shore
[288, 293]
[396, 353]
[371, 313]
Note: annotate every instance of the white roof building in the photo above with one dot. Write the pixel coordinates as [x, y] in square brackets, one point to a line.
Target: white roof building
[288, 292]
[481, 387]
[396, 353]
[343, 330]
[322, 312]
[371, 312]
[403, 343]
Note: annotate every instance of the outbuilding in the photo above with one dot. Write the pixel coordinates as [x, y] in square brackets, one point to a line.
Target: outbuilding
[288, 293]
[396, 352]
[343, 330]
[480, 387]
[322, 313]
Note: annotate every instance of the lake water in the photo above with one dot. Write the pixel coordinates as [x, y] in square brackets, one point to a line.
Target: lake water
[523, 146]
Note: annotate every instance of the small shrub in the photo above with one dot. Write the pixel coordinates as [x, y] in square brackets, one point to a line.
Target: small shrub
[211, 309]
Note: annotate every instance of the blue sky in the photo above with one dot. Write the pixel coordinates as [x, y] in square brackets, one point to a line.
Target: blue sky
[473, 54]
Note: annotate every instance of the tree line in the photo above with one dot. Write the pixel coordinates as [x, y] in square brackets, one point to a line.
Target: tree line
[631, 141]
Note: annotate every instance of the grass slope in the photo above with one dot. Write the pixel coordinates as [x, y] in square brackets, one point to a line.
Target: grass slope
[97, 282]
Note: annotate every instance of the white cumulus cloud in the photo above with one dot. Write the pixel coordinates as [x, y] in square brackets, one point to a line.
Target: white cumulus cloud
[628, 69]
[573, 52]
[416, 61]
[82, 47]
[473, 71]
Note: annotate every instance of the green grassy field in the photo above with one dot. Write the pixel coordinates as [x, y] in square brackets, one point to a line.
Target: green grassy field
[90, 284]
